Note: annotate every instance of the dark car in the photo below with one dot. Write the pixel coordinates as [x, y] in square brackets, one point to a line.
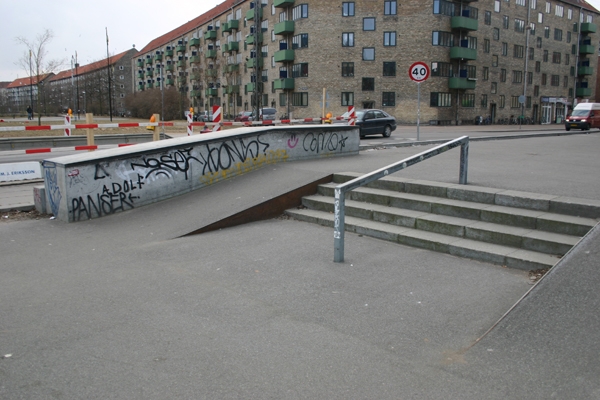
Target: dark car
[375, 122]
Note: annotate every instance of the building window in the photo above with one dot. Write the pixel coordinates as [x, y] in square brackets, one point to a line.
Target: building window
[440, 99]
[347, 69]
[518, 51]
[548, 7]
[570, 13]
[282, 99]
[487, 19]
[514, 102]
[300, 11]
[517, 77]
[121, 68]
[348, 39]
[442, 39]
[545, 56]
[559, 11]
[368, 84]
[468, 100]
[388, 99]
[558, 34]
[505, 21]
[547, 32]
[556, 57]
[504, 48]
[494, 88]
[389, 68]
[555, 80]
[567, 59]
[348, 9]
[484, 101]
[300, 99]
[544, 79]
[538, 66]
[565, 81]
[441, 69]
[538, 42]
[536, 90]
[497, 5]
[389, 38]
[390, 7]
[300, 70]
[519, 25]
[502, 101]
[486, 45]
[496, 34]
[494, 60]
[300, 41]
[520, 2]
[368, 54]
[347, 98]
[568, 36]
[369, 24]
[530, 78]
[486, 73]
[502, 75]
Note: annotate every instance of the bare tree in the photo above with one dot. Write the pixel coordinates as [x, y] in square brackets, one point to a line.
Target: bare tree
[34, 61]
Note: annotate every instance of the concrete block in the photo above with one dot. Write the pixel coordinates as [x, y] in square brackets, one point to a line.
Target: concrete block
[455, 208]
[427, 188]
[549, 243]
[531, 201]
[443, 224]
[529, 260]
[511, 216]
[39, 199]
[472, 193]
[576, 207]
[494, 233]
[566, 224]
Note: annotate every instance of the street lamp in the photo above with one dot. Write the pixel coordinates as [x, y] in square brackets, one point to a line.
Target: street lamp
[83, 101]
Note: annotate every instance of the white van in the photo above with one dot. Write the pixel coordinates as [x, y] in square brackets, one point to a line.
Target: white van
[584, 116]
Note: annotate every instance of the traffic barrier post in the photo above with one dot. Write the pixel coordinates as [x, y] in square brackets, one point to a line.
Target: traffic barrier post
[89, 119]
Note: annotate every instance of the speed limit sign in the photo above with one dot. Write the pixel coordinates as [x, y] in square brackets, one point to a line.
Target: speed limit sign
[419, 71]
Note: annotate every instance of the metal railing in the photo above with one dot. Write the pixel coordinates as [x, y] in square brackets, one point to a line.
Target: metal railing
[340, 190]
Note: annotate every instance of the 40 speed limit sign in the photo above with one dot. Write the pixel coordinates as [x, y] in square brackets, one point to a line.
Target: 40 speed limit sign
[419, 71]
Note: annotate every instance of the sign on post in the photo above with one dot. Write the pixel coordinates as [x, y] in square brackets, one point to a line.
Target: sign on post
[419, 72]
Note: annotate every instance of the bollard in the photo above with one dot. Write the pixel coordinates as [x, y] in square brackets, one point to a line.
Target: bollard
[68, 122]
[89, 119]
[156, 135]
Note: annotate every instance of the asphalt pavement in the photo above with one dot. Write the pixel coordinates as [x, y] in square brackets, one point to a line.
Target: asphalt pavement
[124, 307]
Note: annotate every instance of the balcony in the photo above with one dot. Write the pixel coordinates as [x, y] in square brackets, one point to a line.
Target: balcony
[150, 85]
[194, 59]
[180, 48]
[284, 84]
[211, 54]
[231, 89]
[211, 92]
[212, 73]
[284, 28]
[169, 82]
[210, 35]
[283, 3]
[584, 92]
[252, 63]
[585, 70]
[284, 55]
[181, 80]
[140, 63]
[169, 53]
[587, 49]
[196, 93]
[158, 57]
[148, 61]
[231, 25]
[140, 75]
[251, 13]
[588, 27]
[464, 23]
[149, 73]
[181, 64]
[169, 67]
[195, 42]
[461, 83]
[233, 68]
[231, 46]
[463, 53]
[250, 87]
[252, 38]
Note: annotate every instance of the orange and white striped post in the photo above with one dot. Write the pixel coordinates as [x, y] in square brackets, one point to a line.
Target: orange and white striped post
[68, 122]
[190, 120]
[217, 118]
[351, 115]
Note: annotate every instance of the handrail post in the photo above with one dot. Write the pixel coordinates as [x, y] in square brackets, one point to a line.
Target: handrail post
[464, 162]
[339, 225]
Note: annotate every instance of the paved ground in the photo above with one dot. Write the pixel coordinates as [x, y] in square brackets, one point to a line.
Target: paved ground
[122, 307]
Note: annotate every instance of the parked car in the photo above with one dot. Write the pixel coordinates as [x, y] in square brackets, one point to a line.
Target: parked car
[375, 122]
[584, 117]
[267, 114]
[203, 116]
[244, 116]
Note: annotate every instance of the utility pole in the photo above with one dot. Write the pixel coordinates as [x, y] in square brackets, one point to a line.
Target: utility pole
[258, 84]
[30, 86]
[77, 83]
[109, 83]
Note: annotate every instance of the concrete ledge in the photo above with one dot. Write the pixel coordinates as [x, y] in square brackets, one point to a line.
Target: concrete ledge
[92, 185]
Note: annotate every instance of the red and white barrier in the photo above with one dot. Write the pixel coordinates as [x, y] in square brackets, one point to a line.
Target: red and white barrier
[82, 126]
[190, 127]
[67, 123]
[217, 117]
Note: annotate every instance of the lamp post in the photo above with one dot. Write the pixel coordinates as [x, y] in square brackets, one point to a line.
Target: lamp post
[83, 101]
[77, 83]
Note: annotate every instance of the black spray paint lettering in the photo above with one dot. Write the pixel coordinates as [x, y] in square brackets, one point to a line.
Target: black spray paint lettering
[179, 161]
[117, 197]
[225, 155]
[329, 141]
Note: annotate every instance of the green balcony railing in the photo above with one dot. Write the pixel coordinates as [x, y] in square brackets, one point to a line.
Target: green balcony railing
[149, 85]
[181, 64]
[252, 38]
[194, 59]
[585, 70]
[196, 93]
[465, 23]
[283, 3]
[231, 25]
[211, 53]
[169, 53]
[180, 48]
[463, 53]
[210, 35]
[588, 27]
[461, 83]
[148, 61]
[251, 13]
[587, 49]
[584, 92]
[252, 63]
[195, 42]
[169, 82]
[158, 57]
[284, 84]
[140, 75]
[149, 73]
[170, 67]
[140, 63]
[231, 46]
[284, 55]
[211, 92]
[250, 87]
[233, 67]
[231, 89]
[284, 28]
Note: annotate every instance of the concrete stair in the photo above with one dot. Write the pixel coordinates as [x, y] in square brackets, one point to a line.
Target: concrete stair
[516, 229]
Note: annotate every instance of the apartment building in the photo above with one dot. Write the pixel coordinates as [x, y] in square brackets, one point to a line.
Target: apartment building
[23, 92]
[488, 57]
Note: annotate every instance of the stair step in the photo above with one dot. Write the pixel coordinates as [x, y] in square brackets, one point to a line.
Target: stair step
[513, 216]
[487, 252]
[529, 239]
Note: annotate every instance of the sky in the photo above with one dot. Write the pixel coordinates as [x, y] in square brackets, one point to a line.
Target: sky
[80, 27]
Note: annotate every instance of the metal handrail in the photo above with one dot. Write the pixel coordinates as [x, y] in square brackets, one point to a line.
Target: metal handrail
[340, 190]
